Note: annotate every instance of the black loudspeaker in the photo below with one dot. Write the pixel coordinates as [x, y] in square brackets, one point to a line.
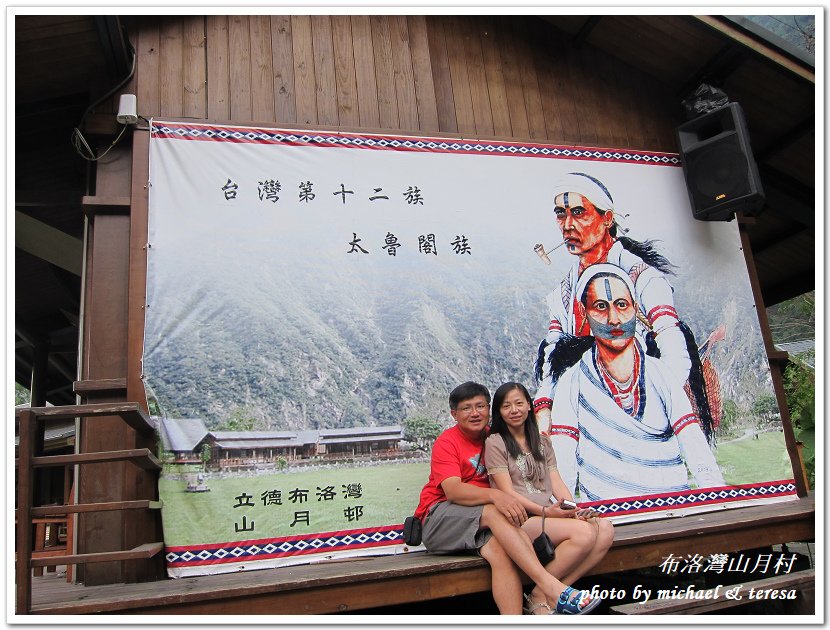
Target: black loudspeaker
[720, 170]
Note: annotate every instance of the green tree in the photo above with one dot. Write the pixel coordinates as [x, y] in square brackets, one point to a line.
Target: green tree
[22, 396]
[794, 319]
[205, 456]
[421, 431]
[765, 407]
[240, 419]
[729, 417]
[800, 387]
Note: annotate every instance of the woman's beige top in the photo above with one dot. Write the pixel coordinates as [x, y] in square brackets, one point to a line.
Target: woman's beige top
[530, 478]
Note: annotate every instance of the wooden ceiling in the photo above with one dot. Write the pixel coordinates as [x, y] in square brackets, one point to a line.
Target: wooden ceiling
[64, 63]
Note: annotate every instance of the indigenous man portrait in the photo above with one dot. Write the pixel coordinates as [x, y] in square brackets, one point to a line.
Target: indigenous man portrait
[592, 231]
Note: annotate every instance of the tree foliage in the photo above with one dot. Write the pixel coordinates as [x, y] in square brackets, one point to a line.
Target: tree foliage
[421, 431]
[240, 419]
[22, 396]
[800, 386]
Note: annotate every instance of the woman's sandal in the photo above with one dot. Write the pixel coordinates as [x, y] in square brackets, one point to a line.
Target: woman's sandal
[573, 602]
[534, 606]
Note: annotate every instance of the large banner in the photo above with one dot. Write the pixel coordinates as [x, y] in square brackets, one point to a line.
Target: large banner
[312, 297]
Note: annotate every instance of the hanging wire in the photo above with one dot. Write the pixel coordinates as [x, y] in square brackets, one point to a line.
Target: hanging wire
[78, 141]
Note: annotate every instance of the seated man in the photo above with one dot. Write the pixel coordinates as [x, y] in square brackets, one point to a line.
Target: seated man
[461, 512]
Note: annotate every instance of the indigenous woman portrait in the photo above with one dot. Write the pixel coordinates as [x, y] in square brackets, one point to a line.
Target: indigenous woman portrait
[621, 425]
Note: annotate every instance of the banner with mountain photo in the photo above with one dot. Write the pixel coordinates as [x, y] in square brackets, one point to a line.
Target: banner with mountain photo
[312, 298]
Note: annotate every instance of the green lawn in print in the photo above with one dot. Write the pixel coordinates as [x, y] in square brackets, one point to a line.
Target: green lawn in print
[751, 461]
[389, 493]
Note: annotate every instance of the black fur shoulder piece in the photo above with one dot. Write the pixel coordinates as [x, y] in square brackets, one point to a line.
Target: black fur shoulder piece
[648, 252]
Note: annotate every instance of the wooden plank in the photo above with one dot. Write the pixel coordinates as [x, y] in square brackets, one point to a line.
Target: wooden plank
[306, 96]
[132, 413]
[262, 73]
[324, 76]
[549, 94]
[171, 78]
[457, 58]
[614, 98]
[100, 385]
[147, 67]
[422, 74]
[239, 67]
[143, 526]
[384, 72]
[218, 70]
[639, 83]
[142, 552]
[194, 103]
[476, 75]
[348, 113]
[715, 599]
[530, 82]
[439, 60]
[774, 366]
[283, 67]
[93, 204]
[494, 78]
[142, 504]
[604, 108]
[368, 582]
[142, 457]
[364, 63]
[405, 95]
[581, 94]
[511, 72]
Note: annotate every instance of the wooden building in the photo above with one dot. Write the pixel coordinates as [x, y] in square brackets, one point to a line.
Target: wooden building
[81, 224]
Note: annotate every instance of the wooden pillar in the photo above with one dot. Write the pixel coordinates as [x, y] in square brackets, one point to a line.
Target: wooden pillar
[776, 361]
[113, 330]
[25, 487]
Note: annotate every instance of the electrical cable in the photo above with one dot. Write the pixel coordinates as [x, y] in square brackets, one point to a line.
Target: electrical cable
[78, 141]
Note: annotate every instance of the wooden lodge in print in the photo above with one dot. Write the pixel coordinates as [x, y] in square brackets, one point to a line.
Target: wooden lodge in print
[185, 439]
[81, 254]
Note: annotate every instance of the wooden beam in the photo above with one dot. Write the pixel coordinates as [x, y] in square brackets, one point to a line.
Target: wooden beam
[141, 504]
[100, 385]
[142, 552]
[768, 52]
[48, 243]
[716, 599]
[93, 205]
[142, 457]
[132, 413]
[775, 369]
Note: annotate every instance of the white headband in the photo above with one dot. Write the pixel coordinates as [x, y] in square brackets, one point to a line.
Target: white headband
[587, 186]
[594, 270]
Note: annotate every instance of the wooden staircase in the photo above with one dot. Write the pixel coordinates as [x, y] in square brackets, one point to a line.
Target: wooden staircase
[135, 417]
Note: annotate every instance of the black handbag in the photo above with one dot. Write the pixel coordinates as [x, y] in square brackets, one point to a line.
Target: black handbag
[543, 546]
[412, 531]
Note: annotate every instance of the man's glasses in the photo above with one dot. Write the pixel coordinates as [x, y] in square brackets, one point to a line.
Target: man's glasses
[481, 408]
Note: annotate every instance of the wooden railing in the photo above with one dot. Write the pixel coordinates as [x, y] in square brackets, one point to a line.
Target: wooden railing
[27, 514]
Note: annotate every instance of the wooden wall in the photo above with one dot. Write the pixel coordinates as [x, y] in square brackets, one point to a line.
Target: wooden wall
[509, 77]
[516, 78]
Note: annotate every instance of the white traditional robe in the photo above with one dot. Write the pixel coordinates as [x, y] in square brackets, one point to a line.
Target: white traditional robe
[610, 453]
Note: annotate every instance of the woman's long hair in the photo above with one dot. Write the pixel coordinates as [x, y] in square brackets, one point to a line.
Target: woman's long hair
[534, 441]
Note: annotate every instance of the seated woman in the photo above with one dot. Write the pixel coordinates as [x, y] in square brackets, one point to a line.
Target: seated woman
[521, 462]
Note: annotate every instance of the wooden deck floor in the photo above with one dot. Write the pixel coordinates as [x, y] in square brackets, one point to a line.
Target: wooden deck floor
[366, 583]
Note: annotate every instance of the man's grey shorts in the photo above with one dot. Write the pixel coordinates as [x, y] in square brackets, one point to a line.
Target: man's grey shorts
[452, 528]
